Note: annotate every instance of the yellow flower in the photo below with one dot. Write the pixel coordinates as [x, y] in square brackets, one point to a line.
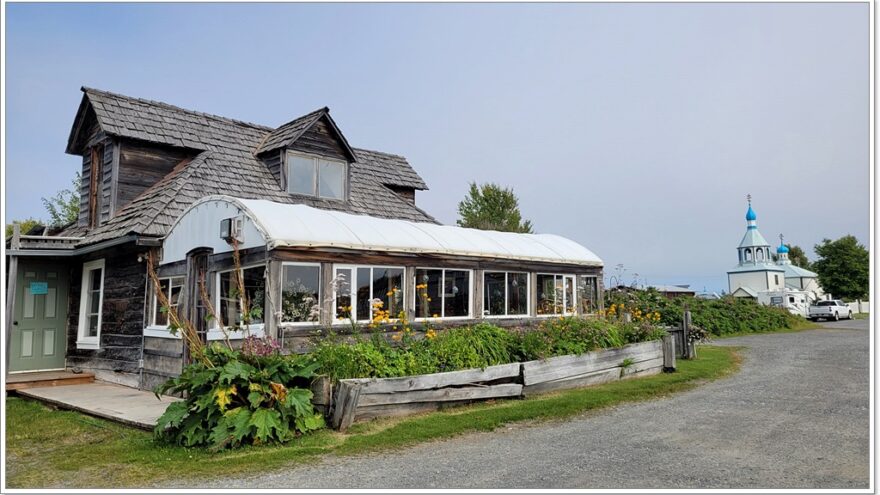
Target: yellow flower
[435, 315]
[395, 337]
[389, 293]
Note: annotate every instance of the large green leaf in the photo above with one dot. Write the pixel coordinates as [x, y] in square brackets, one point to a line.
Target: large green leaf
[172, 417]
[266, 421]
[300, 400]
[309, 423]
[235, 370]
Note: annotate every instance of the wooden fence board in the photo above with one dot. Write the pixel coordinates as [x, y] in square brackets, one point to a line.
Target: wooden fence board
[564, 366]
[442, 395]
[437, 380]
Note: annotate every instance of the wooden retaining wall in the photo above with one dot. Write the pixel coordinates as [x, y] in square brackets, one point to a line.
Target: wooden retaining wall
[591, 368]
[366, 398]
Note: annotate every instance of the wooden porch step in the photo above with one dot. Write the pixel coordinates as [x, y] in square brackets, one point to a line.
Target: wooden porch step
[19, 381]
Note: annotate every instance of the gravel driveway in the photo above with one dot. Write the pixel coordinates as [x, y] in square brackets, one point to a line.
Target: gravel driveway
[795, 416]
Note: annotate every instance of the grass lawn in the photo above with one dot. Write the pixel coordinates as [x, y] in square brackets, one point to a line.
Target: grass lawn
[47, 448]
[861, 316]
[804, 325]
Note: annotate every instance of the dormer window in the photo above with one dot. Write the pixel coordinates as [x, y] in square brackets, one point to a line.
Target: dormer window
[316, 176]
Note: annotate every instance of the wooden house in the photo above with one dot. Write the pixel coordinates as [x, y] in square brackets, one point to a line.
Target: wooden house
[324, 229]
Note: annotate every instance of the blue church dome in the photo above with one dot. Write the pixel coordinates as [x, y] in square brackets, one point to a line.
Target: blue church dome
[750, 215]
[782, 249]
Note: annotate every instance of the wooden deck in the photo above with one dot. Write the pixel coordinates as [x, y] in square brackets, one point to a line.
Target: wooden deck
[105, 400]
[19, 381]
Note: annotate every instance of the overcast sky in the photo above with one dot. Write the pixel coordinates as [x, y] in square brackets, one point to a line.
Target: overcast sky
[634, 129]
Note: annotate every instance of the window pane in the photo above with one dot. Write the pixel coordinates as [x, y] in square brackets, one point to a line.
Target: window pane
[388, 288]
[428, 293]
[96, 279]
[569, 294]
[363, 294]
[546, 294]
[161, 317]
[493, 293]
[228, 300]
[255, 289]
[342, 283]
[517, 293]
[456, 293]
[331, 179]
[94, 302]
[588, 291]
[300, 295]
[92, 328]
[301, 176]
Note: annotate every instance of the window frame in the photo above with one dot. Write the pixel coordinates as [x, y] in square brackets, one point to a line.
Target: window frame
[352, 287]
[574, 291]
[470, 314]
[579, 296]
[316, 166]
[84, 341]
[281, 322]
[506, 284]
[154, 310]
[215, 326]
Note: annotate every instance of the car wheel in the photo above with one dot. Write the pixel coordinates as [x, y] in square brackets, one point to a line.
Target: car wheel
[850, 316]
[836, 317]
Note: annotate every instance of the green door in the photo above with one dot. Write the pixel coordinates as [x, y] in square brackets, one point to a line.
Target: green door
[40, 317]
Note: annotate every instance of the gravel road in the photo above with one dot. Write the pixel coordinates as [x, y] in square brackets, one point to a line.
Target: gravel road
[795, 416]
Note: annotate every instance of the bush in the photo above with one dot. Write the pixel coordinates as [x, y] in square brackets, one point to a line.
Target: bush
[717, 317]
[251, 396]
[477, 346]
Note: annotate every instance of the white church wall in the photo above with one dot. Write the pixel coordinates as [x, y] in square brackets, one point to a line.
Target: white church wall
[753, 280]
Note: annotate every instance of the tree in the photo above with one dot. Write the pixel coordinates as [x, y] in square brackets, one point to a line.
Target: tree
[63, 208]
[843, 267]
[25, 226]
[797, 256]
[492, 207]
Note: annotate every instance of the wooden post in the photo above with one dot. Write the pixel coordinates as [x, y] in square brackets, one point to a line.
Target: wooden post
[328, 312]
[477, 296]
[345, 404]
[409, 293]
[11, 287]
[689, 346]
[272, 311]
[533, 293]
[669, 353]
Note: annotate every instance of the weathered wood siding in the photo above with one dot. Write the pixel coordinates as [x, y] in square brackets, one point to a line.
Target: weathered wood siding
[96, 138]
[321, 140]
[407, 193]
[143, 164]
[274, 161]
[122, 317]
[163, 359]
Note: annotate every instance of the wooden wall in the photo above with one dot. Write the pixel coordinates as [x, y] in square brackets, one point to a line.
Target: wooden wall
[122, 323]
[143, 164]
[407, 193]
[320, 140]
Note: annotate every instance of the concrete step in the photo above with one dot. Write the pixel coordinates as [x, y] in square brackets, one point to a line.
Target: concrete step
[37, 379]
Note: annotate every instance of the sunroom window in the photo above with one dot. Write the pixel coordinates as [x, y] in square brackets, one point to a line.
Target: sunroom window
[229, 297]
[172, 288]
[555, 294]
[589, 294]
[301, 293]
[505, 293]
[314, 176]
[356, 287]
[442, 293]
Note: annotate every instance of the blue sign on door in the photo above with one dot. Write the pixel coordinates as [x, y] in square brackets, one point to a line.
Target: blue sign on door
[38, 288]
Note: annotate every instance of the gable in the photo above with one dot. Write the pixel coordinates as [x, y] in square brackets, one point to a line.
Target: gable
[320, 139]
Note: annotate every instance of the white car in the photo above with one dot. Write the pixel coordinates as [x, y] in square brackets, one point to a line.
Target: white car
[830, 310]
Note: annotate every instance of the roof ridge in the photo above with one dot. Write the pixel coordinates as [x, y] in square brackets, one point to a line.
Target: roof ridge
[321, 110]
[261, 127]
[379, 152]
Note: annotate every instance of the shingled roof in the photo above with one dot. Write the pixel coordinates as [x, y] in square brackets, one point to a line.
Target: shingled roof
[227, 164]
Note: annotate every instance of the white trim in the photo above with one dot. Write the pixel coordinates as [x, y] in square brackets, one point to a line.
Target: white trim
[564, 276]
[443, 316]
[353, 291]
[320, 294]
[215, 325]
[316, 184]
[24, 372]
[528, 295]
[160, 332]
[82, 341]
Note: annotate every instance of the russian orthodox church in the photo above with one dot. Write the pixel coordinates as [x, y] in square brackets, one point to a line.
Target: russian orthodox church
[759, 277]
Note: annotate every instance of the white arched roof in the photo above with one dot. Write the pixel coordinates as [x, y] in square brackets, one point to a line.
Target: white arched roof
[295, 225]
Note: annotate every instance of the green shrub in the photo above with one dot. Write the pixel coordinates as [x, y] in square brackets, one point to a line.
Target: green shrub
[570, 335]
[251, 396]
[718, 317]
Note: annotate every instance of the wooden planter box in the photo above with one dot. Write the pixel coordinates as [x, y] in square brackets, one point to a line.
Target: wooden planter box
[564, 372]
[365, 398]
